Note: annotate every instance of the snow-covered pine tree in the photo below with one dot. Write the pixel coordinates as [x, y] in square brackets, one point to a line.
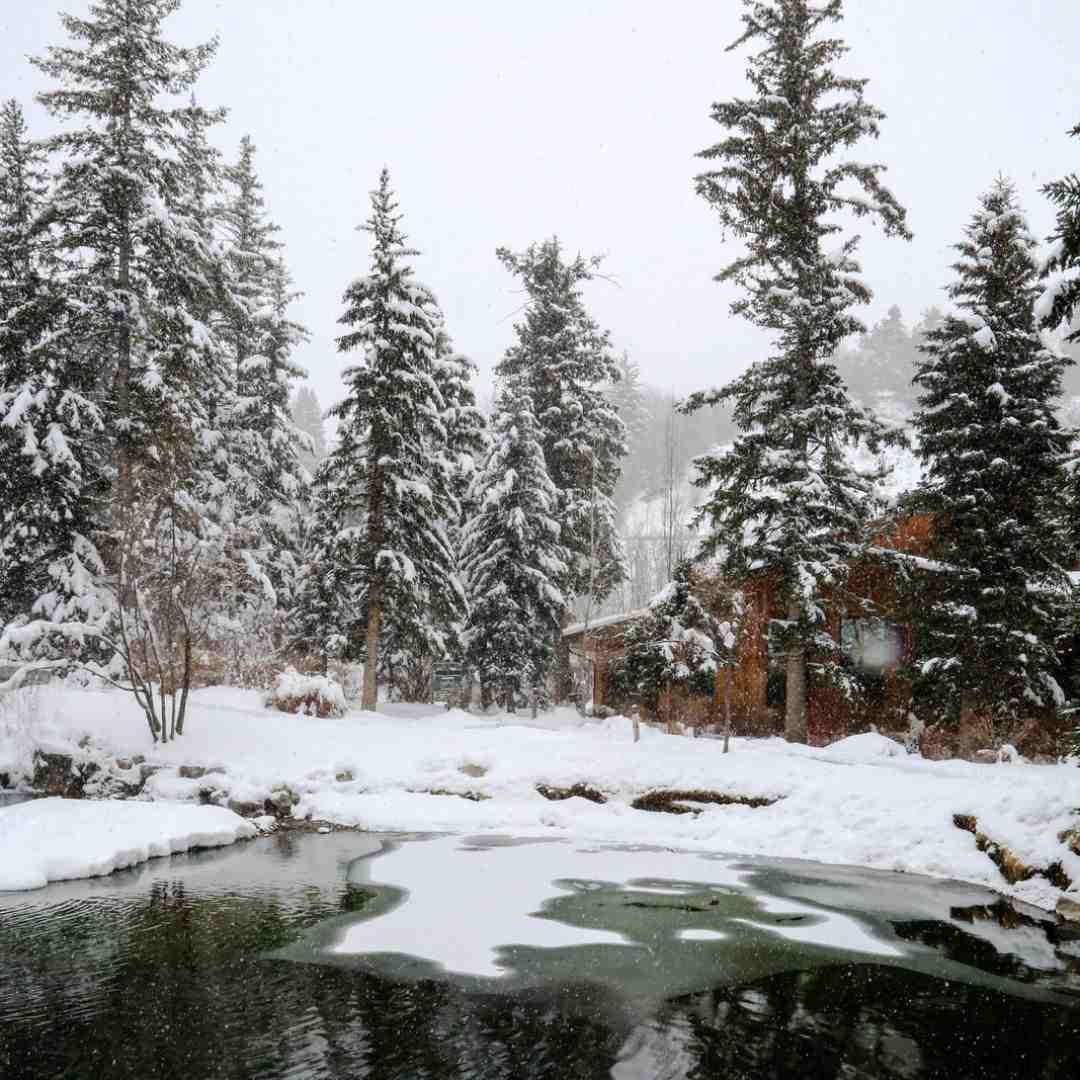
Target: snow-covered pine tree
[462, 420]
[266, 474]
[563, 360]
[678, 645]
[784, 500]
[138, 270]
[307, 415]
[325, 618]
[512, 552]
[1060, 298]
[1058, 307]
[389, 475]
[993, 456]
[49, 422]
[628, 398]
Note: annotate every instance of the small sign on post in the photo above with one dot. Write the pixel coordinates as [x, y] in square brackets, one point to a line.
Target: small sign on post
[448, 681]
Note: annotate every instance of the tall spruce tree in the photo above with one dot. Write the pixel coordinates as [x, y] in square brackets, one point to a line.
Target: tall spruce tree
[512, 552]
[464, 424]
[1058, 307]
[50, 424]
[993, 454]
[307, 415]
[389, 477]
[563, 360]
[265, 445]
[138, 271]
[784, 499]
[1059, 301]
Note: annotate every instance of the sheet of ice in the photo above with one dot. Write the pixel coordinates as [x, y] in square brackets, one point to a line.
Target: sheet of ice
[59, 839]
[833, 931]
[461, 921]
[694, 934]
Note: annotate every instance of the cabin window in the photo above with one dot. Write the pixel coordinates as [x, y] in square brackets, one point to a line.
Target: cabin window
[873, 645]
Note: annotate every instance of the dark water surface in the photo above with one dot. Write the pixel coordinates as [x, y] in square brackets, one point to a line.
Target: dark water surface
[214, 964]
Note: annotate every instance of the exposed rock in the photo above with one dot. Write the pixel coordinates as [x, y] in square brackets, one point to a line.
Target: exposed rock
[472, 796]
[344, 777]
[577, 791]
[1069, 909]
[197, 772]
[1071, 839]
[469, 769]
[146, 771]
[60, 774]
[245, 808]
[1012, 869]
[673, 802]
[281, 802]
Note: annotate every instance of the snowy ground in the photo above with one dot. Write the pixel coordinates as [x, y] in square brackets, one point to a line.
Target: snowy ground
[60, 839]
[863, 802]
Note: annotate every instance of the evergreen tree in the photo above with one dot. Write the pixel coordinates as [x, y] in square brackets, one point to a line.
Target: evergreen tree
[463, 423]
[512, 551]
[307, 415]
[134, 256]
[1060, 298]
[628, 398]
[265, 446]
[563, 360]
[784, 500]
[678, 645]
[325, 616]
[49, 421]
[993, 453]
[389, 476]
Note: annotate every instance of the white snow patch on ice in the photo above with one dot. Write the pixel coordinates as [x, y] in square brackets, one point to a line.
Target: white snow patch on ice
[506, 894]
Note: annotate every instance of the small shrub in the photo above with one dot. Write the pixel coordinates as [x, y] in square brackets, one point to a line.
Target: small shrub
[309, 695]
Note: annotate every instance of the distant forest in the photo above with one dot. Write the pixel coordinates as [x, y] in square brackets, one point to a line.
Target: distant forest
[877, 367]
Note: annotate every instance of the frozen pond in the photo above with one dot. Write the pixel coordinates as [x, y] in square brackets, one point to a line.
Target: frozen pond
[350, 956]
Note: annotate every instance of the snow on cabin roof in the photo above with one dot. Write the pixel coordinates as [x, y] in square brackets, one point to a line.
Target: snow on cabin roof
[607, 620]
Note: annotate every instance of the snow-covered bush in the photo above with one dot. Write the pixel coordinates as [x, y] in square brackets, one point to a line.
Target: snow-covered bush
[311, 695]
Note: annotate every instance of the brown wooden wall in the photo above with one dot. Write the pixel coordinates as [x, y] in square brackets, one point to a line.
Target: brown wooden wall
[830, 714]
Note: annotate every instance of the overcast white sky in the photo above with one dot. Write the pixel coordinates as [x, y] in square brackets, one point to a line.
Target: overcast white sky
[503, 123]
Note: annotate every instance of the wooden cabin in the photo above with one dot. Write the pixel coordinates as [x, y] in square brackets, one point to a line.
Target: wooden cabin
[866, 621]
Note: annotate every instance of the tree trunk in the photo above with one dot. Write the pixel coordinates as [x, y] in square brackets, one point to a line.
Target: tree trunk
[727, 710]
[795, 712]
[370, 695]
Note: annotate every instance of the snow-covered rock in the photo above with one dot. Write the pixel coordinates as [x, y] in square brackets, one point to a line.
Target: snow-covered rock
[864, 749]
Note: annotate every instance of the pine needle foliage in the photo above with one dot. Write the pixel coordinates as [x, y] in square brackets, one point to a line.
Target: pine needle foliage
[783, 499]
[388, 480]
[1060, 299]
[993, 454]
[678, 645]
[50, 416]
[512, 551]
[563, 360]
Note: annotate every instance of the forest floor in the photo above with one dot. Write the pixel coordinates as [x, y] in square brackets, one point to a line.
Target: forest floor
[863, 801]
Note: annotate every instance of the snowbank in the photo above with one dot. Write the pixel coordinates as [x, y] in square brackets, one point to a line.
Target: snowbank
[414, 768]
[59, 839]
